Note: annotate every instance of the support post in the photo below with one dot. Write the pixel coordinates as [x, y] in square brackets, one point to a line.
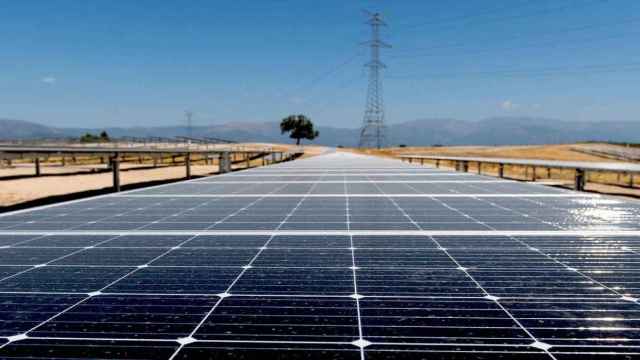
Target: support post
[264, 160]
[187, 163]
[631, 180]
[501, 171]
[534, 174]
[438, 163]
[421, 161]
[115, 167]
[37, 163]
[580, 180]
[248, 160]
[225, 162]
[465, 166]
[479, 168]
[548, 173]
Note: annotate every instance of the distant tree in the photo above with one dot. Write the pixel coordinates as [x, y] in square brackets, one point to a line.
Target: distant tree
[87, 138]
[104, 136]
[91, 138]
[300, 127]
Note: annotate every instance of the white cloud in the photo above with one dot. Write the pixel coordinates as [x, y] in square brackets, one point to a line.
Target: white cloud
[49, 80]
[509, 105]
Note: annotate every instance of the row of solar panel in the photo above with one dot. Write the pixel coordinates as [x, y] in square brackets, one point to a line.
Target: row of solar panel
[561, 242]
[127, 213]
[350, 188]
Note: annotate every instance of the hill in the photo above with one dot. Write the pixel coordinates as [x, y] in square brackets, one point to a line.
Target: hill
[490, 131]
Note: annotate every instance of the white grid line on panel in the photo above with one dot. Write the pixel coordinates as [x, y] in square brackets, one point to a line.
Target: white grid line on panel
[411, 195]
[190, 338]
[545, 233]
[488, 296]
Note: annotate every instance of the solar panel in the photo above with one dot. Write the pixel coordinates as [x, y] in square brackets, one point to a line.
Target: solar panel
[339, 256]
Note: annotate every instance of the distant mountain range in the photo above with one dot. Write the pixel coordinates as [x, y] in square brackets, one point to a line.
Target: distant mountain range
[490, 131]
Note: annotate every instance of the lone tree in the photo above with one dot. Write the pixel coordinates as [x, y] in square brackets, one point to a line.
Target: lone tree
[299, 126]
[89, 137]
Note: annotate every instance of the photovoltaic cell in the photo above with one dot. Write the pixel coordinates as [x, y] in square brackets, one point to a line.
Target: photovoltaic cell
[338, 256]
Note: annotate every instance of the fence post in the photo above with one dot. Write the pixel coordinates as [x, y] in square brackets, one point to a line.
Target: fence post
[187, 163]
[115, 167]
[248, 160]
[534, 173]
[438, 163]
[479, 168]
[580, 180]
[501, 171]
[225, 162]
[37, 163]
[631, 180]
[465, 166]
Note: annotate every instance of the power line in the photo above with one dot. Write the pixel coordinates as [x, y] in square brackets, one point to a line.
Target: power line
[429, 51]
[541, 45]
[307, 86]
[512, 17]
[344, 85]
[334, 70]
[560, 70]
[459, 18]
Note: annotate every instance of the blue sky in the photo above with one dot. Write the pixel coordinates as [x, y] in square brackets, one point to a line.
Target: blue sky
[123, 63]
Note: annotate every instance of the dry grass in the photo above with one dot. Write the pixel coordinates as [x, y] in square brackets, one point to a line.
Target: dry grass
[610, 183]
[84, 174]
[543, 152]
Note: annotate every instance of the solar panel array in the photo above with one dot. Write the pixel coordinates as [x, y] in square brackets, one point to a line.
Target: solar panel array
[339, 256]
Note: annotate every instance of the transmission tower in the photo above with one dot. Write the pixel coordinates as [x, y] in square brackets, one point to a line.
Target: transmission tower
[373, 129]
[189, 117]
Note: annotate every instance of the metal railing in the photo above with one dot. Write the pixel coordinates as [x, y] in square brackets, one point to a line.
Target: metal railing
[114, 156]
[580, 168]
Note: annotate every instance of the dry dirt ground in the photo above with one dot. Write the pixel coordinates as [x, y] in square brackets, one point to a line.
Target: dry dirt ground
[27, 189]
[607, 183]
[16, 191]
[545, 152]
